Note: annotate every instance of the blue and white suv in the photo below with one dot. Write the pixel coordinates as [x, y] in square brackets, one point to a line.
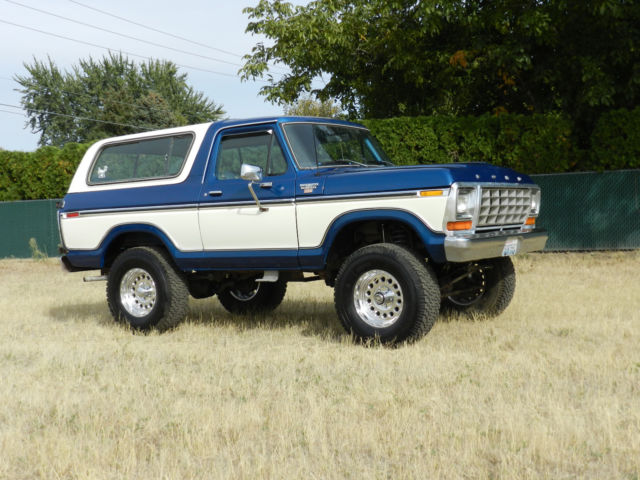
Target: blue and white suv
[239, 208]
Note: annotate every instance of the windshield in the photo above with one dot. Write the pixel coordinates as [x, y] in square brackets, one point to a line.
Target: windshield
[324, 145]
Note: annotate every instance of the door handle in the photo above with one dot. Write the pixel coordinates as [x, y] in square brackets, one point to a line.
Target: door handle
[214, 193]
[266, 185]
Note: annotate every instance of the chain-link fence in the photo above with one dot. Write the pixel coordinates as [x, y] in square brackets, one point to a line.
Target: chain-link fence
[591, 211]
[581, 211]
[22, 221]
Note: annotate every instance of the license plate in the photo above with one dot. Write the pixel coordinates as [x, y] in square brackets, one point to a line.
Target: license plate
[510, 247]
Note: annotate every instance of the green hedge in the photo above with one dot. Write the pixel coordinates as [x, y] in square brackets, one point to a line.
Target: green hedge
[615, 142]
[530, 144]
[45, 173]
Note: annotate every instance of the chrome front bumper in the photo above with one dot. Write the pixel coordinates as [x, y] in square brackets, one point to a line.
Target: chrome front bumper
[491, 245]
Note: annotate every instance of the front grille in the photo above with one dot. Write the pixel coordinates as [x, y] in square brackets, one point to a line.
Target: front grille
[504, 206]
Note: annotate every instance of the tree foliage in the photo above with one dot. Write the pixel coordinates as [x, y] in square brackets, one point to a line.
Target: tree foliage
[109, 97]
[308, 107]
[387, 58]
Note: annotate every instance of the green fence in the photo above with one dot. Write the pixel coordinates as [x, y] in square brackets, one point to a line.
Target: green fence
[581, 211]
[591, 211]
[22, 221]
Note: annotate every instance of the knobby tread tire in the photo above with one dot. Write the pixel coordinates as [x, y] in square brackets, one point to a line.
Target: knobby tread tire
[504, 287]
[501, 286]
[172, 289]
[267, 299]
[419, 283]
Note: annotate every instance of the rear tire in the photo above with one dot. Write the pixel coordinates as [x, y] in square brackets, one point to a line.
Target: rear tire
[145, 290]
[386, 292]
[250, 296]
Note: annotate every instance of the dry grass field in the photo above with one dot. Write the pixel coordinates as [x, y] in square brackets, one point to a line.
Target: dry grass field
[550, 389]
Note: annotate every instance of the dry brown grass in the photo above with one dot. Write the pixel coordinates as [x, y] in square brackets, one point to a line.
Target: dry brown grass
[550, 389]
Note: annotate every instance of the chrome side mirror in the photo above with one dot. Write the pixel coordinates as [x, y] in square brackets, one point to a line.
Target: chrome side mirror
[252, 174]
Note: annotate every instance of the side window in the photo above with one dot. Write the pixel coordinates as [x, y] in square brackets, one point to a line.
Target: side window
[142, 160]
[262, 150]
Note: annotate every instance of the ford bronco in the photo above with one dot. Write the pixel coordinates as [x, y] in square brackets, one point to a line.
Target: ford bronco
[239, 208]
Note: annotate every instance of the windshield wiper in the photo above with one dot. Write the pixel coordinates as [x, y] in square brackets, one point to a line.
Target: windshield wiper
[344, 162]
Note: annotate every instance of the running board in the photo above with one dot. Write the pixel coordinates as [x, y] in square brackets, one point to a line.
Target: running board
[101, 278]
[269, 276]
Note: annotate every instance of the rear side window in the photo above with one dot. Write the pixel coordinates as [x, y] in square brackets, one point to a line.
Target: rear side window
[141, 160]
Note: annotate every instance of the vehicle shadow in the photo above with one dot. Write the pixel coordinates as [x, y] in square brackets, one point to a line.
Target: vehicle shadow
[96, 312]
[313, 318]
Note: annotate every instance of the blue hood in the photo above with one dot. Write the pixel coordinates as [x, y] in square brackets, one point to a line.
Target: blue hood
[362, 180]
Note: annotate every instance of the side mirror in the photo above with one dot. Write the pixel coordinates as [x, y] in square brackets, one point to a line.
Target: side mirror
[252, 174]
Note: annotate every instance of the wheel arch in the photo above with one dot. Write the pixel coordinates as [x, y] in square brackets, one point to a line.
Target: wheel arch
[338, 240]
[127, 236]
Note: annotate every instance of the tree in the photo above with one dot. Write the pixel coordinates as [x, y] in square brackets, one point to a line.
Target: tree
[401, 57]
[113, 96]
[308, 107]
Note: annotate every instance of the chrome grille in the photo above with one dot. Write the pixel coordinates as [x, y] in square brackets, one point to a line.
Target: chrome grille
[504, 206]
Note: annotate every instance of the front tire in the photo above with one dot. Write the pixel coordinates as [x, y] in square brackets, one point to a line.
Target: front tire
[385, 291]
[488, 288]
[145, 290]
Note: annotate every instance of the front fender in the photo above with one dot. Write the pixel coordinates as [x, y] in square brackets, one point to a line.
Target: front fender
[316, 258]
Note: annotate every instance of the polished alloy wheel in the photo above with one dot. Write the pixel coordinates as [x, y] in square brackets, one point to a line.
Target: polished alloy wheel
[244, 296]
[378, 299]
[471, 288]
[138, 292]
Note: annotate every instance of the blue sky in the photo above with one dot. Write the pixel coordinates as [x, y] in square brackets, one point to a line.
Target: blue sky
[215, 23]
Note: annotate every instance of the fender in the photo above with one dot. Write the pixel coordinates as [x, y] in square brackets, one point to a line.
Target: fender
[95, 259]
[316, 258]
[77, 260]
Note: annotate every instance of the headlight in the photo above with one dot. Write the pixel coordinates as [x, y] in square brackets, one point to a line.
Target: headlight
[461, 210]
[466, 203]
[535, 202]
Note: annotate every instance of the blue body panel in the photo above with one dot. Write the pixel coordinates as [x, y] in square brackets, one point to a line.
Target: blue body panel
[295, 185]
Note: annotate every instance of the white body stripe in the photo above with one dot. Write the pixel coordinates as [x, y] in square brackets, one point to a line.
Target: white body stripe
[247, 228]
[86, 232]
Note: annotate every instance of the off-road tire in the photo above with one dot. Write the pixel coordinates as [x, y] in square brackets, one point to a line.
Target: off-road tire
[262, 297]
[169, 304]
[499, 279]
[386, 292]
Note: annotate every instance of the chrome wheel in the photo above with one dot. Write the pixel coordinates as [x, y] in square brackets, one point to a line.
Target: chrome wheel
[138, 292]
[244, 295]
[378, 298]
[469, 288]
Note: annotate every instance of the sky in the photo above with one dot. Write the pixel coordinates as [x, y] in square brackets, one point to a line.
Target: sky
[218, 25]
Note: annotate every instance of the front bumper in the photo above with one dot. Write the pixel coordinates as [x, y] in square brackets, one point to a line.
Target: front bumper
[491, 245]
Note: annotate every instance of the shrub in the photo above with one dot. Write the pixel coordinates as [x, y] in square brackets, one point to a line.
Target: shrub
[615, 142]
[531, 144]
[45, 173]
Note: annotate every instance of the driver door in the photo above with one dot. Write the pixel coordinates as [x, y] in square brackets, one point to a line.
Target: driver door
[231, 224]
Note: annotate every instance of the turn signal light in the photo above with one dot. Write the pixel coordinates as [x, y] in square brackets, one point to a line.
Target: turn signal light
[453, 226]
[531, 221]
[431, 193]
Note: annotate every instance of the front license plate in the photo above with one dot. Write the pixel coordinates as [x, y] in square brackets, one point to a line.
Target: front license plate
[510, 247]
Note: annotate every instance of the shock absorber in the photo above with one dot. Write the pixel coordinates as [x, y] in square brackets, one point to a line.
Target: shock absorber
[399, 235]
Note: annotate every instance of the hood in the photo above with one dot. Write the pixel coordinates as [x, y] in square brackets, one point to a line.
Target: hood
[362, 180]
